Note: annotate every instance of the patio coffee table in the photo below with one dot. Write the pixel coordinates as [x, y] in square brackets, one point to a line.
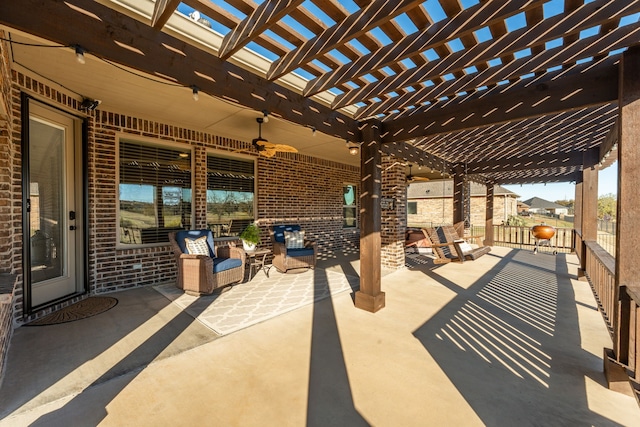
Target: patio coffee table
[257, 258]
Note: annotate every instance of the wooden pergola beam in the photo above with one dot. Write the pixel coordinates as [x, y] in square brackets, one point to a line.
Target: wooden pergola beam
[263, 17]
[192, 66]
[542, 178]
[594, 87]
[354, 25]
[162, 11]
[409, 153]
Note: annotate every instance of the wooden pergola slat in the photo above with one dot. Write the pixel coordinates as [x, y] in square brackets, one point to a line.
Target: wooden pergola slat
[352, 26]
[162, 11]
[513, 42]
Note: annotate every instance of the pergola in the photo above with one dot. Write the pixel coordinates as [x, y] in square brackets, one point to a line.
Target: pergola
[498, 92]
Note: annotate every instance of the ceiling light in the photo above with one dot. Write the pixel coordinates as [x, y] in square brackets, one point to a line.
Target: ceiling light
[265, 116]
[313, 131]
[353, 148]
[195, 93]
[80, 54]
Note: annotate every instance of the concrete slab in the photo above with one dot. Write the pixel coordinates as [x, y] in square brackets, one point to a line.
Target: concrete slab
[508, 339]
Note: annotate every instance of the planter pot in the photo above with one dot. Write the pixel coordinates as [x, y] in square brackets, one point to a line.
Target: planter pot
[248, 246]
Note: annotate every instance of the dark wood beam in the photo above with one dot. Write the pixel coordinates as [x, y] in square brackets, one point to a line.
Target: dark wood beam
[411, 154]
[354, 25]
[609, 144]
[467, 21]
[526, 163]
[263, 17]
[594, 87]
[541, 178]
[162, 11]
[155, 53]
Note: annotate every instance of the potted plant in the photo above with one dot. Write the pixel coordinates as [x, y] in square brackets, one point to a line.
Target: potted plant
[250, 237]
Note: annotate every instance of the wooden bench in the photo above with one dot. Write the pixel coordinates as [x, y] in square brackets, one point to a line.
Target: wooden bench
[448, 246]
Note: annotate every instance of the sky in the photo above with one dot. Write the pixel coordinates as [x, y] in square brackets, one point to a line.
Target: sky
[607, 183]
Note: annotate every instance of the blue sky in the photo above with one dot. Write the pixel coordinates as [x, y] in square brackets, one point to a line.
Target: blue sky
[607, 183]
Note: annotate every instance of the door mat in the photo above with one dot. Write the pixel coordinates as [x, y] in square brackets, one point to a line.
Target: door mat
[81, 310]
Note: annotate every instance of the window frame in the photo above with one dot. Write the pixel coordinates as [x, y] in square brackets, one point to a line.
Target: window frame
[152, 142]
[415, 204]
[356, 224]
[233, 156]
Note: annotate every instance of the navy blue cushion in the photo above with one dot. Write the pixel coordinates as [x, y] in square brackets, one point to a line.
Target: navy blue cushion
[193, 235]
[222, 264]
[300, 252]
[278, 231]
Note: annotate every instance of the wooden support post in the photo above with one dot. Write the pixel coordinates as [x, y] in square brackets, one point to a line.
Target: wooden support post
[628, 210]
[458, 199]
[589, 205]
[370, 297]
[577, 223]
[488, 222]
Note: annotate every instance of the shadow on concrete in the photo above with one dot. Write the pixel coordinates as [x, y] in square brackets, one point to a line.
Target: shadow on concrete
[511, 344]
[43, 357]
[330, 401]
[88, 407]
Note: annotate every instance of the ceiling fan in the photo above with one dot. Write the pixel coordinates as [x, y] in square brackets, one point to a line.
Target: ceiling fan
[411, 178]
[267, 148]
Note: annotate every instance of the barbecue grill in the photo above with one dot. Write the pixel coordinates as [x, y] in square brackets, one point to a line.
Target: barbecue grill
[543, 235]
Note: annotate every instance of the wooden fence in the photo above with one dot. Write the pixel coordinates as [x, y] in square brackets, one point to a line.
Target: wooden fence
[521, 238]
[620, 308]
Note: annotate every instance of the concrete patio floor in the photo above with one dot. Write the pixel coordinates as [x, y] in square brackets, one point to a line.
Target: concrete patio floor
[508, 339]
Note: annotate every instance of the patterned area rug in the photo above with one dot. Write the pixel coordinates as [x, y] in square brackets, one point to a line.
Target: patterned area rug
[81, 310]
[260, 299]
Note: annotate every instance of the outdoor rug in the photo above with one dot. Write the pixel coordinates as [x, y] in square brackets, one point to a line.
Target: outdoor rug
[260, 299]
[81, 310]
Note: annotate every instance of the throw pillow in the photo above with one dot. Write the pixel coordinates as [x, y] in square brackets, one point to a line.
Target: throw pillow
[294, 239]
[466, 247]
[197, 246]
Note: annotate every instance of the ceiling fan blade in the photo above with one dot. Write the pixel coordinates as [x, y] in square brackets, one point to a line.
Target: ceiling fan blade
[285, 148]
[268, 152]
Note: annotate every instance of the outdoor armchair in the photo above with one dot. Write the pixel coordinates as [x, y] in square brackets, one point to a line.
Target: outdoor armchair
[202, 266]
[291, 249]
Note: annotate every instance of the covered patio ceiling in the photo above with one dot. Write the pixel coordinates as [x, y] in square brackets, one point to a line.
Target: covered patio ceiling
[506, 92]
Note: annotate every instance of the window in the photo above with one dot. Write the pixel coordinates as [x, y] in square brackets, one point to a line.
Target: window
[230, 194]
[349, 208]
[154, 192]
[412, 208]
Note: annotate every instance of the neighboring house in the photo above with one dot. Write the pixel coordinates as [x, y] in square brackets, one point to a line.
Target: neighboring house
[523, 207]
[432, 202]
[541, 206]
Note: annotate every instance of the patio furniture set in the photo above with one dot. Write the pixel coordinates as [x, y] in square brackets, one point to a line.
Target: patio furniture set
[445, 244]
[206, 264]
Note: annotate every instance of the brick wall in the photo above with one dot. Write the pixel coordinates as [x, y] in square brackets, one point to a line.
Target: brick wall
[288, 191]
[7, 240]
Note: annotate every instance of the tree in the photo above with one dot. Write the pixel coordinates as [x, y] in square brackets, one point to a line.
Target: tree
[566, 203]
[607, 204]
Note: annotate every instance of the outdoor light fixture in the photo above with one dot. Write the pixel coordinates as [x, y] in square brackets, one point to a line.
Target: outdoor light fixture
[265, 116]
[80, 54]
[353, 148]
[313, 131]
[89, 104]
[195, 93]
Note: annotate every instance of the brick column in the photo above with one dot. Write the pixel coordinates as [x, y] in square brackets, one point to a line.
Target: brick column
[370, 297]
[394, 220]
